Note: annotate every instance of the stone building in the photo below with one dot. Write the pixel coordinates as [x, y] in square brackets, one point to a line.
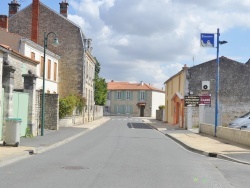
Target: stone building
[35, 52]
[34, 20]
[37, 21]
[234, 98]
[18, 86]
[133, 99]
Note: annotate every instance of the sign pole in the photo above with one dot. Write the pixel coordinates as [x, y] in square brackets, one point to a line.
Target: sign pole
[217, 84]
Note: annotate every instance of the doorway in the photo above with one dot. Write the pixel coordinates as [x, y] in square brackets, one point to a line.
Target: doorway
[142, 108]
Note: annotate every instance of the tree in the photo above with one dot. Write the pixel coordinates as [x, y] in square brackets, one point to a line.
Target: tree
[101, 90]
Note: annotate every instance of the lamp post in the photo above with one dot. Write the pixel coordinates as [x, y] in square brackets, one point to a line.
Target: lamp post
[55, 43]
[217, 81]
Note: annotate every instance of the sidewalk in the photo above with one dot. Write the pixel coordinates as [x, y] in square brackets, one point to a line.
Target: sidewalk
[202, 143]
[51, 139]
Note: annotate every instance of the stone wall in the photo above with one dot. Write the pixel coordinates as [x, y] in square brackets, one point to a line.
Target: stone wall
[22, 67]
[159, 115]
[51, 115]
[233, 94]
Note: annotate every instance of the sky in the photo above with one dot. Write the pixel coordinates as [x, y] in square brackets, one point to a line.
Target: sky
[151, 40]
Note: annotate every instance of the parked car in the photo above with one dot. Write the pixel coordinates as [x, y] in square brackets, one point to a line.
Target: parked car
[245, 127]
[242, 120]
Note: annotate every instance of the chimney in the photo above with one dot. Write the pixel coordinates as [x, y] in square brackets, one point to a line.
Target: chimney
[13, 8]
[4, 22]
[89, 44]
[141, 83]
[35, 18]
[64, 8]
[185, 67]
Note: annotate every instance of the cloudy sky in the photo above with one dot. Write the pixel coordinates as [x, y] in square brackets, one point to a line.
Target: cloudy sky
[150, 40]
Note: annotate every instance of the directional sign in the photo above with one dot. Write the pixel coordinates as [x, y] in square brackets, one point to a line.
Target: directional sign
[205, 99]
[207, 40]
[193, 100]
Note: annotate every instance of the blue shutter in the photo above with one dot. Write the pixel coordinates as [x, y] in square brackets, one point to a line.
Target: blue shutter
[116, 93]
[123, 95]
[131, 97]
[123, 109]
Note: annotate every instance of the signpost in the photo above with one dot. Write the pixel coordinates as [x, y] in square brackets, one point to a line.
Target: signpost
[205, 99]
[207, 40]
[196, 100]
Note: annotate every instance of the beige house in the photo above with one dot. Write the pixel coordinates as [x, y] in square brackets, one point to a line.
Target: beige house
[133, 99]
[174, 106]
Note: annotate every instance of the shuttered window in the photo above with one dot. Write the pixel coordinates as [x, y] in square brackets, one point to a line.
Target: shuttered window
[41, 66]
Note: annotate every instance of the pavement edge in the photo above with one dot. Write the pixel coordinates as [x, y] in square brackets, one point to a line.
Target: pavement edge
[208, 154]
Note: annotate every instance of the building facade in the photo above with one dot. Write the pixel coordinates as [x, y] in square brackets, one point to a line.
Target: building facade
[133, 99]
[35, 52]
[18, 89]
[175, 92]
[234, 99]
[37, 21]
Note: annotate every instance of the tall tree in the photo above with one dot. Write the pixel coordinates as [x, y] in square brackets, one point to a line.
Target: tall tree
[101, 90]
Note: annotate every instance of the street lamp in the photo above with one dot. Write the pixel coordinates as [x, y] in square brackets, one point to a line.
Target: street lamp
[55, 43]
[217, 81]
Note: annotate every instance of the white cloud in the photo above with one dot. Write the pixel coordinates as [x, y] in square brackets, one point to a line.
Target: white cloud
[145, 40]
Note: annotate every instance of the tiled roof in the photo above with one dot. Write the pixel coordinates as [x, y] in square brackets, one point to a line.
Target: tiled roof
[18, 54]
[131, 86]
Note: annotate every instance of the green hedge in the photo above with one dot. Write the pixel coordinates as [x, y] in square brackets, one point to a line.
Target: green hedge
[68, 104]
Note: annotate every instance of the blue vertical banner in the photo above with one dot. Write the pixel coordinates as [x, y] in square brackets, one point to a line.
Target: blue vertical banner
[207, 40]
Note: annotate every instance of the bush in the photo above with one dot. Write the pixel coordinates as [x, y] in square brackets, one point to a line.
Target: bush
[161, 107]
[68, 104]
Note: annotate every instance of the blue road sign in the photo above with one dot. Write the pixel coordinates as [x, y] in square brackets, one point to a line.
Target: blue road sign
[207, 40]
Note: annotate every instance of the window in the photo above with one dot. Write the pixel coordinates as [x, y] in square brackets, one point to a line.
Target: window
[119, 95]
[55, 71]
[142, 95]
[108, 95]
[118, 109]
[49, 69]
[41, 66]
[128, 95]
[33, 56]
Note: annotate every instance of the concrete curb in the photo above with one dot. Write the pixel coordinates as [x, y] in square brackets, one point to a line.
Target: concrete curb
[221, 156]
[208, 154]
[14, 158]
[57, 144]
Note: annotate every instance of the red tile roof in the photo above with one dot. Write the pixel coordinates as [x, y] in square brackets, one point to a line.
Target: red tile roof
[18, 54]
[131, 86]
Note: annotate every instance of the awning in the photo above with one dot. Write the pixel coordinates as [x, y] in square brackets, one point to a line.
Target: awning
[179, 95]
[141, 103]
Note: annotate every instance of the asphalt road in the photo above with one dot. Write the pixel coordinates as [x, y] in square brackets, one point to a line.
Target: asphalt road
[124, 152]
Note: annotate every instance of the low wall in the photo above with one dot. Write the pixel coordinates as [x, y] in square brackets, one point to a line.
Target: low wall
[70, 121]
[207, 129]
[230, 134]
[234, 135]
[98, 112]
[159, 115]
